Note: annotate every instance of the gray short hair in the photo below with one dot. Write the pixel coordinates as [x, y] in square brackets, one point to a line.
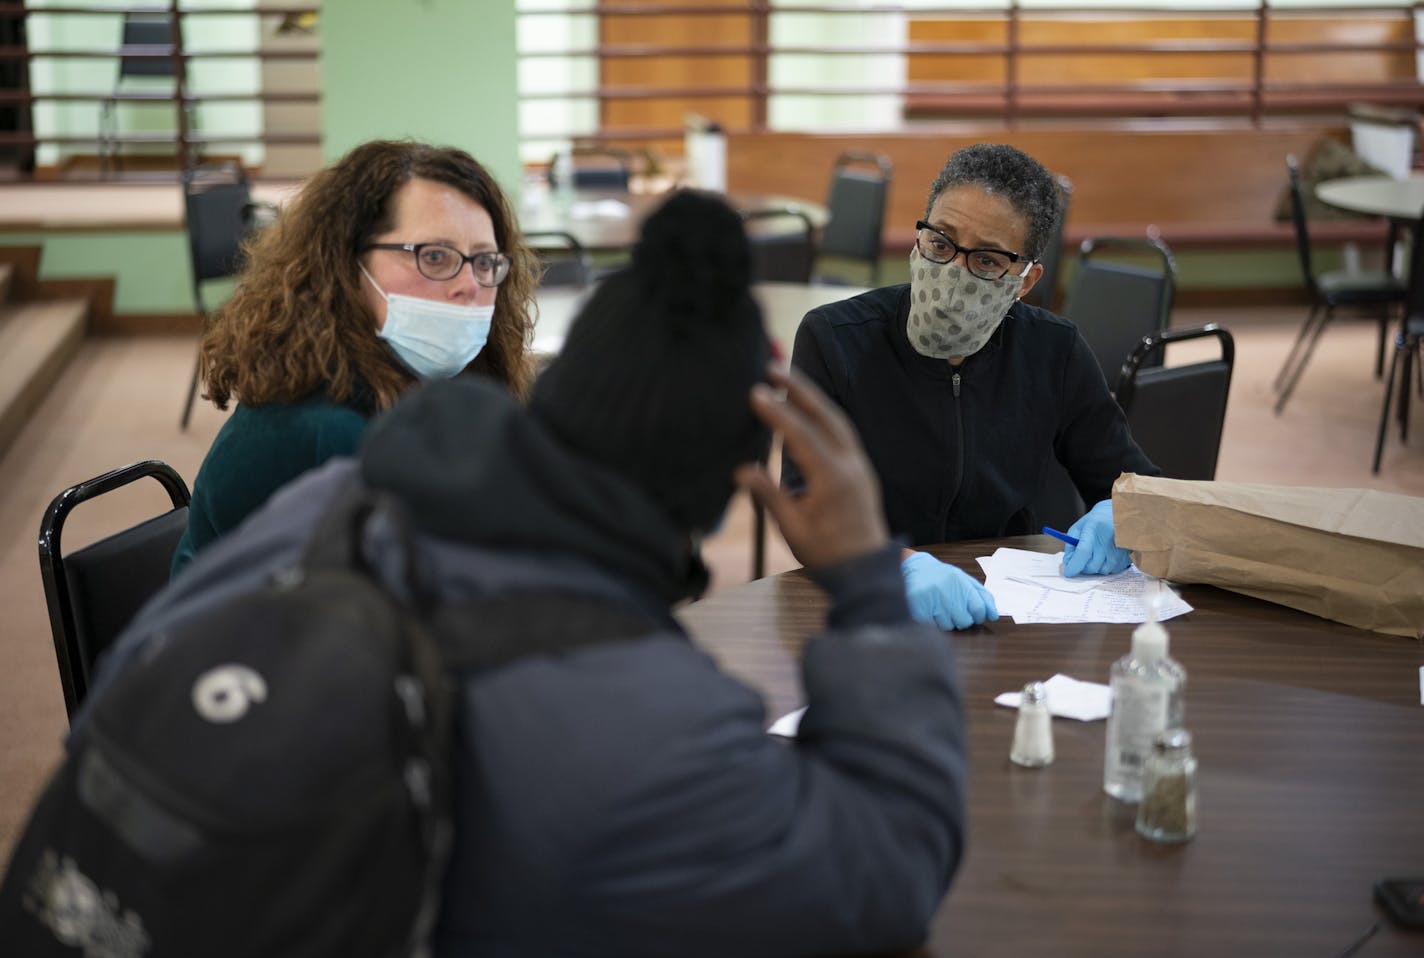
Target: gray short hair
[1014, 175]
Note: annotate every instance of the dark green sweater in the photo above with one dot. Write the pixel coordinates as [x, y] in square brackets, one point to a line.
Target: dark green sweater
[258, 450]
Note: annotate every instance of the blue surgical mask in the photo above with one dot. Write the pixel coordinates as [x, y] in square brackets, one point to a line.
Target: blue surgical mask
[434, 339]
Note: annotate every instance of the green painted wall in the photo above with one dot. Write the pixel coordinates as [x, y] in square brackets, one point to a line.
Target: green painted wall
[437, 70]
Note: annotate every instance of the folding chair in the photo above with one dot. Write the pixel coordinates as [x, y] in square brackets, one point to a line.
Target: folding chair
[857, 210]
[1114, 304]
[1045, 291]
[148, 52]
[1376, 293]
[1408, 349]
[783, 244]
[219, 209]
[594, 168]
[1177, 413]
[564, 260]
[94, 592]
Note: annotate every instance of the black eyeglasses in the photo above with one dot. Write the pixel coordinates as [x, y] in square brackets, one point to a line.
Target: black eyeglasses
[983, 263]
[440, 262]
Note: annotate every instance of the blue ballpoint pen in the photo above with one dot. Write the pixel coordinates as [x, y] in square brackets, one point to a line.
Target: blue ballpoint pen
[1065, 537]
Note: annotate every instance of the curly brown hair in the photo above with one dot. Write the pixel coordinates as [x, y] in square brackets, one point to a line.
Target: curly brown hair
[298, 323]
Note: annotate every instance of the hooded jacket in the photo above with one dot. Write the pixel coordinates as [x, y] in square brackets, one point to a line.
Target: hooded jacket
[623, 799]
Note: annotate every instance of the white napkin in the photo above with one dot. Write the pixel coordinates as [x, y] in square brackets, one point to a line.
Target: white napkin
[1069, 698]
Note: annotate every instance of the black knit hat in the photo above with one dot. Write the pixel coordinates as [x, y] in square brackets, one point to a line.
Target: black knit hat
[653, 377]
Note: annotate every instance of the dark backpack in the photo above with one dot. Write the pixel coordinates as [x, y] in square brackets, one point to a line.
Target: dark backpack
[271, 775]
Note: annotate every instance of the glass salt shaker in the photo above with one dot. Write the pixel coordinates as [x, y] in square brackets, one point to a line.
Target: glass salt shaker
[1168, 812]
[1033, 732]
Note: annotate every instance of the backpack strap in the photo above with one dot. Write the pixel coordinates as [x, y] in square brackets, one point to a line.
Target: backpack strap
[338, 539]
[492, 631]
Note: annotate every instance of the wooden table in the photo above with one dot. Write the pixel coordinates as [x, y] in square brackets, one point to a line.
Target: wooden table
[782, 305]
[1310, 737]
[609, 222]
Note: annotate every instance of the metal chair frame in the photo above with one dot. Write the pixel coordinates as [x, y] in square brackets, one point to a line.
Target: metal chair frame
[75, 650]
[1136, 376]
[1329, 292]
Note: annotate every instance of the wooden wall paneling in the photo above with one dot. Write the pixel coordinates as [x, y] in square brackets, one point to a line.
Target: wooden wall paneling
[674, 72]
[1192, 184]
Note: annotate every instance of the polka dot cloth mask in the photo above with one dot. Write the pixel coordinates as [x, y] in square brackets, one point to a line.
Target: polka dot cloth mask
[953, 312]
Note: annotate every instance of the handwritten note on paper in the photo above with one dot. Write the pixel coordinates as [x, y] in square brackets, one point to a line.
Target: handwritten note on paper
[1030, 587]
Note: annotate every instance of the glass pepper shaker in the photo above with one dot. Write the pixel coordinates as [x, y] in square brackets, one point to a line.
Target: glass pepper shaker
[1033, 732]
[1168, 812]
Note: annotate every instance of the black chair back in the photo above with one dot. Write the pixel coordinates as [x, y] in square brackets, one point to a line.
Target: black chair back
[1302, 232]
[563, 258]
[856, 205]
[596, 168]
[1115, 304]
[155, 33]
[218, 204]
[1177, 413]
[94, 592]
[783, 244]
[1045, 291]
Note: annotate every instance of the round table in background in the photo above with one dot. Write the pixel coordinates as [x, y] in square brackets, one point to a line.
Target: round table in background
[610, 221]
[1400, 200]
[1310, 736]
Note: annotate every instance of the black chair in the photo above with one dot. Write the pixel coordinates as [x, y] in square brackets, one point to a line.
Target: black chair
[1408, 349]
[783, 244]
[1176, 413]
[564, 260]
[595, 168]
[94, 592]
[220, 213]
[856, 205]
[152, 36]
[1114, 304]
[1375, 293]
[1045, 291]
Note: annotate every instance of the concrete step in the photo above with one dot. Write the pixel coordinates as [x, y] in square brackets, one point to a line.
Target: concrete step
[37, 340]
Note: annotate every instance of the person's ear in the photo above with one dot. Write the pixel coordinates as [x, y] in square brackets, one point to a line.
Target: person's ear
[1035, 272]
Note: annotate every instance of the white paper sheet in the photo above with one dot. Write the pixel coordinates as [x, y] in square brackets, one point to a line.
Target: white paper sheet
[1069, 698]
[1030, 587]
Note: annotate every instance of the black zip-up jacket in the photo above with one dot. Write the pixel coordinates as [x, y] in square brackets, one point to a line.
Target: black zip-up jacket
[962, 452]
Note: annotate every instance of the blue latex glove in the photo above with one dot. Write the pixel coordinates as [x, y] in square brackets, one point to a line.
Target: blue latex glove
[944, 594]
[1096, 552]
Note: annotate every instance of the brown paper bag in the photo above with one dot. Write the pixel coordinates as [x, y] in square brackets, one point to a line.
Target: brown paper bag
[1352, 555]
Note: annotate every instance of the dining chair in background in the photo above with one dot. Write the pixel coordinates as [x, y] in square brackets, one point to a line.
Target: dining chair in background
[1177, 413]
[562, 257]
[1115, 302]
[1045, 291]
[860, 187]
[149, 34]
[1408, 354]
[1377, 294]
[94, 592]
[603, 168]
[219, 212]
[783, 244]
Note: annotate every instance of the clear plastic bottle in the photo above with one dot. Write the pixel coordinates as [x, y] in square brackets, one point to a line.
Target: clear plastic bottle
[1147, 698]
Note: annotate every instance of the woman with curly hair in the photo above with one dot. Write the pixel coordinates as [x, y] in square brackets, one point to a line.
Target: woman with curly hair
[401, 262]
